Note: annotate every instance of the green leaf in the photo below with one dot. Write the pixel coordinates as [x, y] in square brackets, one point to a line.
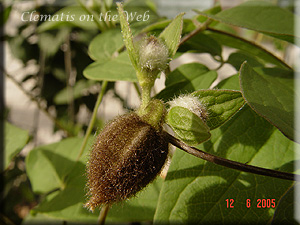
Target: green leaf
[221, 105]
[15, 140]
[236, 59]
[187, 126]
[285, 211]
[213, 11]
[158, 27]
[231, 83]
[4, 15]
[270, 92]
[215, 24]
[50, 43]
[104, 45]
[71, 16]
[115, 69]
[140, 208]
[186, 79]
[37, 219]
[172, 33]
[67, 203]
[260, 16]
[54, 172]
[54, 161]
[202, 43]
[80, 89]
[245, 46]
[128, 39]
[140, 7]
[21, 48]
[195, 191]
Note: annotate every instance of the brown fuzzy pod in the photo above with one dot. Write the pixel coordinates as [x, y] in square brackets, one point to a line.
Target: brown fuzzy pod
[127, 155]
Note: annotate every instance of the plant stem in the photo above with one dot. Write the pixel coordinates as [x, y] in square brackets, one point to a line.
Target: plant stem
[70, 79]
[93, 119]
[252, 43]
[199, 29]
[229, 163]
[146, 96]
[103, 214]
[40, 84]
[146, 83]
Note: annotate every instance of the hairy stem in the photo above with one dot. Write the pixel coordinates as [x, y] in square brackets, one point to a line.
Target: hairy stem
[93, 119]
[146, 96]
[229, 163]
[103, 214]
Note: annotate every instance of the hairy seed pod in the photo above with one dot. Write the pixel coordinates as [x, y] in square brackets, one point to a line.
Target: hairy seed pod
[127, 155]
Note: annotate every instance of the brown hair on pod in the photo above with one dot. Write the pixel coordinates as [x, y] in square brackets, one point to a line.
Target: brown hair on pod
[126, 156]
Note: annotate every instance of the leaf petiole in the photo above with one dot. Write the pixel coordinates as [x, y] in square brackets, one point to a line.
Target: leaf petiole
[229, 163]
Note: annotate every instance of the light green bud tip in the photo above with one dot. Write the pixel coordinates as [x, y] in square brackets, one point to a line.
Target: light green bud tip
[153, 55]
[187, 117]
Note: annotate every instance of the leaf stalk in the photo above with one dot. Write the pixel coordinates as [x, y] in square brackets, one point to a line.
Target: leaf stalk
[229, 163]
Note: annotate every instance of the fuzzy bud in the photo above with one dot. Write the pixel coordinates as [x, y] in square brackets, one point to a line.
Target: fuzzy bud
[126, 156]
[187, 117]
[153, 55]
[192, 104]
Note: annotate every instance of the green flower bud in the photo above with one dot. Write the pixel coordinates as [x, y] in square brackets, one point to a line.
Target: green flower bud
[187, 117]
[153, 55]
[192, 103]
[127, 155]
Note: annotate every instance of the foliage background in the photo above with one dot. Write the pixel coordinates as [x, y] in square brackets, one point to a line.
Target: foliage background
[49, 79]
